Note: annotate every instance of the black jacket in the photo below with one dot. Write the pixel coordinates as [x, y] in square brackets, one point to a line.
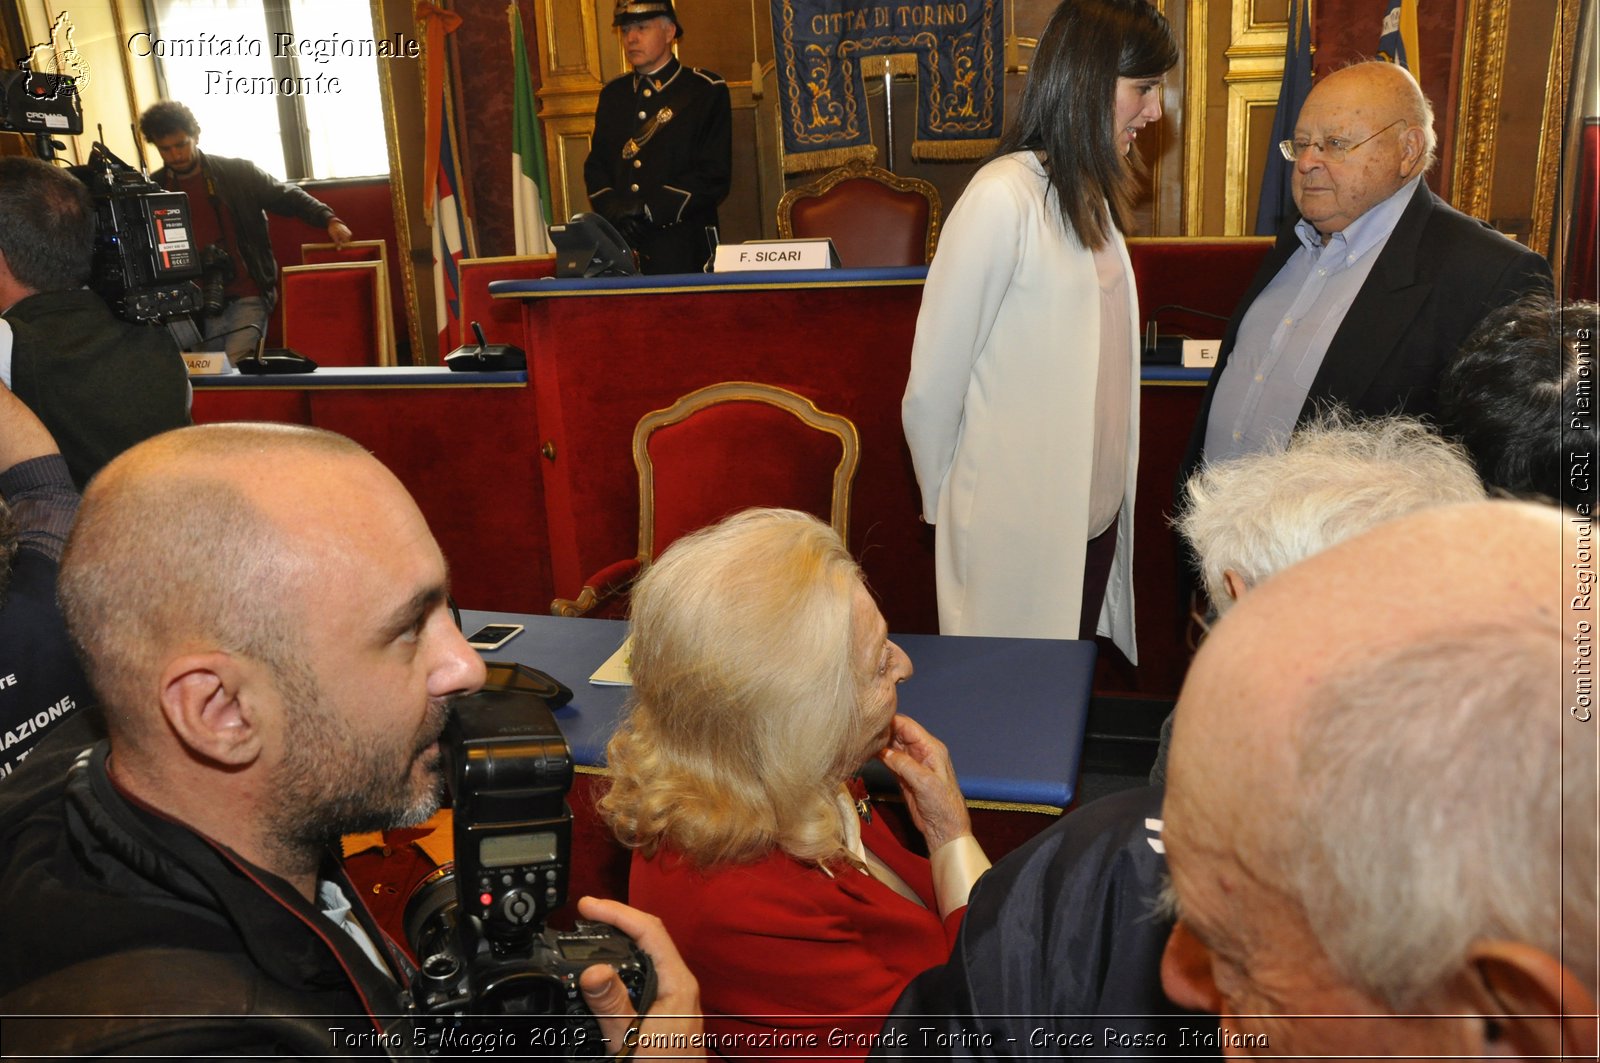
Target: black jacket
[114, 909]
[1437, 276]
[1060, 952]
[99, 384]
[249, 193]
[681, 170]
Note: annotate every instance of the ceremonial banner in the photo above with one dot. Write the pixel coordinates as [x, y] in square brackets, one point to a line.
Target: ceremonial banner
[825, 46]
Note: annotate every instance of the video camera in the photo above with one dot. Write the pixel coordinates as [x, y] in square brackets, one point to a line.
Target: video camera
[145, 262]
[489, 966]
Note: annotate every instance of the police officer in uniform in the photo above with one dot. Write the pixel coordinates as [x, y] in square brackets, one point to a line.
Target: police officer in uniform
[662, 154]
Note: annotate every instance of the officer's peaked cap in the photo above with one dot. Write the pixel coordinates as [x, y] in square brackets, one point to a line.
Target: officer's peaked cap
[639, 10]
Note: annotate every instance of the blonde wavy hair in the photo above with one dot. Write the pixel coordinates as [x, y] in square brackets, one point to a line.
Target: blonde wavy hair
[747, 711]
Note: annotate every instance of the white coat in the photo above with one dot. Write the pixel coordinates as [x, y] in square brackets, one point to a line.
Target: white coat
[999, 413]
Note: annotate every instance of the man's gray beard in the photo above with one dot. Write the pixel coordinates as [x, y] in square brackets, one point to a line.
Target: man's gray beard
[328, 786]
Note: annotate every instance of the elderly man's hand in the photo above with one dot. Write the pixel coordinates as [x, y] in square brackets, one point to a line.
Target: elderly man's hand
[921, 763]
[339, 233]
[676, 1009]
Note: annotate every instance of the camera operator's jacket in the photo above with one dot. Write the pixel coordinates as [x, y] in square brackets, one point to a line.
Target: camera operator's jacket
[115, 910]
[98, 383]
[247, 190]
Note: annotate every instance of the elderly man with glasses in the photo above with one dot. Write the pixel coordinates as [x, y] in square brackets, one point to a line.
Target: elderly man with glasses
[1371, 289]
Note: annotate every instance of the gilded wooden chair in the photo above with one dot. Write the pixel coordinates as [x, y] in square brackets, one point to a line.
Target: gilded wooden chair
[874, 217]
[325, 254]
[719, 450]
[337, 313]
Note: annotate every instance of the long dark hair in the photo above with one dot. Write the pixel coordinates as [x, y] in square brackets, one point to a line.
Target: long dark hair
[1067, 104]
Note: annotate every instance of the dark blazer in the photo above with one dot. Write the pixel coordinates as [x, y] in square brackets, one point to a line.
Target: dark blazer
[1439, 274]
[98, 383]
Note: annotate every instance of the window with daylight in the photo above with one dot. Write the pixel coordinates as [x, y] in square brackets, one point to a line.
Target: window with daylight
[291, 85]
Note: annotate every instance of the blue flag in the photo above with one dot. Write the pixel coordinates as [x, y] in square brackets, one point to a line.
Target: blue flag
[1277, 199]
[1398, 41]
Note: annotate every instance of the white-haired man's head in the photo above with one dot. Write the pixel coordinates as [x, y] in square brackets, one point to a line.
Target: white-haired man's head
[1251, 516]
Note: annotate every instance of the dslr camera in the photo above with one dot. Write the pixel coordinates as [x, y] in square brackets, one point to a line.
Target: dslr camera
[216, 273]
[490, 970]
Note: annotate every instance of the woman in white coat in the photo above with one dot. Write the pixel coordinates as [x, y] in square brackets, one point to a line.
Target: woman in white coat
[1021, 410]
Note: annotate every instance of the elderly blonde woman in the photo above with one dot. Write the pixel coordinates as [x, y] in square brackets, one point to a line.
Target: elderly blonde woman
[763, 679]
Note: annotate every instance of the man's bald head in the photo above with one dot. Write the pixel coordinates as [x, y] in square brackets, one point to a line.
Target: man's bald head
[1373, 743]
[1363, 133]
[188, 541]
[1362, 85]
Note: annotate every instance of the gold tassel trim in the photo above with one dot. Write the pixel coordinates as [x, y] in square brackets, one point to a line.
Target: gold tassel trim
[827, 159]
[946, 150]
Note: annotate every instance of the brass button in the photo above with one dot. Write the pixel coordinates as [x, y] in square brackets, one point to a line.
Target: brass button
[641, 116]
[647, 94]
[637, 164]
[633, 188]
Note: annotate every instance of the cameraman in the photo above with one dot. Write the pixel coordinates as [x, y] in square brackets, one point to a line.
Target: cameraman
[228, 201]
[262, 612]
[99, 385]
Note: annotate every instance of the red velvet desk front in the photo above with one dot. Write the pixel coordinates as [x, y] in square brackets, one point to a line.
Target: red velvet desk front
[464, 444]
[603, 353]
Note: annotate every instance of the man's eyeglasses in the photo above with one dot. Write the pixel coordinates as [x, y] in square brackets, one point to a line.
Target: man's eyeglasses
[1334, 149]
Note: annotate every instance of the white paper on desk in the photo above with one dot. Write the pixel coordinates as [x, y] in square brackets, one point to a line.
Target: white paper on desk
[614, 672]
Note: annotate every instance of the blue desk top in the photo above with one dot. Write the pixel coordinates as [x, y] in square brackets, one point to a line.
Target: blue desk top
[1173, 374]
[1012, 711]
[383, 376]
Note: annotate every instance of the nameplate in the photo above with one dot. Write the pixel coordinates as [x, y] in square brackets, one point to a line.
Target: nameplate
[777, 254]
[206, 363]
[1200, 354]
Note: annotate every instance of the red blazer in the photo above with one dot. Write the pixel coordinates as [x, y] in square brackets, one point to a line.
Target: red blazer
[790, 960]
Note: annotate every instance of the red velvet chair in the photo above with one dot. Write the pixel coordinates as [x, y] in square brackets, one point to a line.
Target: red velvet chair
[501, 318]
[335, 313]
[716, 451]
[363, 251]
[874, 217]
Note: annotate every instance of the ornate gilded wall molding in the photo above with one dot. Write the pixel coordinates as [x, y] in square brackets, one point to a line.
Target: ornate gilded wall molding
[1483, 60]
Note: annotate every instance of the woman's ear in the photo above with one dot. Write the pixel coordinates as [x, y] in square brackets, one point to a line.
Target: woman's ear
[208, 702]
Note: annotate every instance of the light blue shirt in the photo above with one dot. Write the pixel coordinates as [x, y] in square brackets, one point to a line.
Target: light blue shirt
[1286, 332]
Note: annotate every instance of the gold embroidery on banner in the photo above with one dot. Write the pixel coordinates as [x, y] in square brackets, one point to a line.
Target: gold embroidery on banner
[814, 114]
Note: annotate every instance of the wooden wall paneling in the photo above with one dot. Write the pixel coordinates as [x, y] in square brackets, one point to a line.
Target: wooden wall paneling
[571, 74]
[1161, 212]
[1253, 74]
